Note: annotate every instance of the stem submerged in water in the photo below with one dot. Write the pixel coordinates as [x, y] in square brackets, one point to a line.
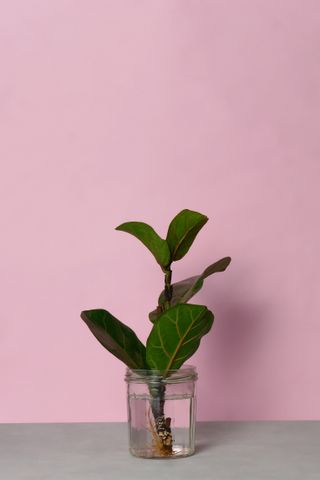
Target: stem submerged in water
[162, 424]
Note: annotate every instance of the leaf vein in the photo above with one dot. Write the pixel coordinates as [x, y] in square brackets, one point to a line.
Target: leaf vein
[180, 343]
[161, 341]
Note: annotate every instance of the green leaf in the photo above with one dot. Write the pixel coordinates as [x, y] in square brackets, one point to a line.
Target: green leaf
[176, 336]
[155, 314]
[147, 235]
[219, 266]
[116, 337]
[182, 231]
[185, 289]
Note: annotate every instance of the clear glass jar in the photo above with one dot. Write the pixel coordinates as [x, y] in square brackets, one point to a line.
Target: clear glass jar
[161, 412]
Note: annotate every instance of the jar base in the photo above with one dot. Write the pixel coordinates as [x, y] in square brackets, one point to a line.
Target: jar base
[178, 451]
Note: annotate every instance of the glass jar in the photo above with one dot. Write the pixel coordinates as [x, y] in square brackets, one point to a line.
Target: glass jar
[161, 412]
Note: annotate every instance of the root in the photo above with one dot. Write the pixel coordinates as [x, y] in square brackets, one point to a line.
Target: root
[160, 446]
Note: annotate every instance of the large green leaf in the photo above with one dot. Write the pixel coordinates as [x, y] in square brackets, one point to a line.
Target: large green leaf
[176, 336]
[149, 237]
[185, 289]
[182, 231]
[116, 337]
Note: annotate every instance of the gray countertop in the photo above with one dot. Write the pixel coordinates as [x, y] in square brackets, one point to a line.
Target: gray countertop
[225, 451]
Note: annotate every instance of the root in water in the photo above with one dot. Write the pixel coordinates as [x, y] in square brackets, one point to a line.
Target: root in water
[160, 447]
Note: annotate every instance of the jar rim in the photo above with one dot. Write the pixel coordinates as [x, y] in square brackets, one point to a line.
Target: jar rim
[185, 373]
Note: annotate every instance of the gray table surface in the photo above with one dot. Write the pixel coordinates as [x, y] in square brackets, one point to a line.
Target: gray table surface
[225, 450]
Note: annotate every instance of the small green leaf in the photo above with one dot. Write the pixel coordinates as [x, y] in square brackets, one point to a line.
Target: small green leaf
[176, 336]
[219, 266]
[116, 337]
[155, 314]
[184, 290]
[182, 231]
[147, 235]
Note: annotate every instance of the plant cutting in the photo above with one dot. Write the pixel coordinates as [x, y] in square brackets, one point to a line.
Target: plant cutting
[161, 387]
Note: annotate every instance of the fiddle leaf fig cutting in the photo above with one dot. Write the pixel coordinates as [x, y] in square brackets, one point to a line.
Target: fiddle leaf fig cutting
[177, 326]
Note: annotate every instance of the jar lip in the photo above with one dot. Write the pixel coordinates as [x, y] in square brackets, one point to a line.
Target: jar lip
[184, 373]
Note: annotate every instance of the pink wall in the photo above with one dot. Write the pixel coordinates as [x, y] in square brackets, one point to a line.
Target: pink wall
[133, 110]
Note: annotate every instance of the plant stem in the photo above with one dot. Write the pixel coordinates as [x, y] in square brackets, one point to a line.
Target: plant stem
[167, 286]
[162, 424]
[158, 388]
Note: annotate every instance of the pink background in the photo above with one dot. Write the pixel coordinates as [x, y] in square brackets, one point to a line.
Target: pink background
[133, 110]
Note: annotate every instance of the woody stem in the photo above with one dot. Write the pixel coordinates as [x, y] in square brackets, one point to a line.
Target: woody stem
[162, 424]
[167, 286]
